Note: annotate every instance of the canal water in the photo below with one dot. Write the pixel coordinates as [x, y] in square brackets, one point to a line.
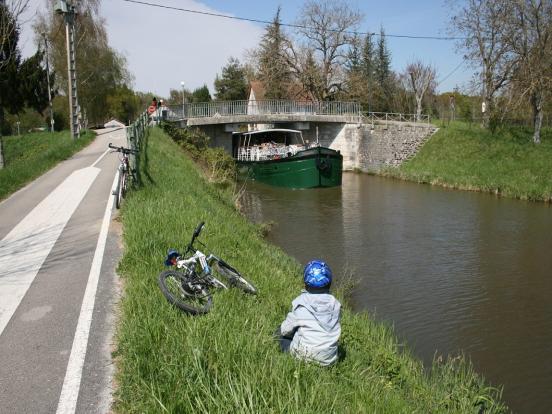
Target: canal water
[451, 271]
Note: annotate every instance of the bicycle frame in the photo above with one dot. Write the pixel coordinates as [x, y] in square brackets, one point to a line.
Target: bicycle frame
[195, 274]
[124, 165]
[205, 263]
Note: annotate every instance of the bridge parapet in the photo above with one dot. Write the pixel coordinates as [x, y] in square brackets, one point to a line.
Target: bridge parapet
[270, 111]
[262, 109]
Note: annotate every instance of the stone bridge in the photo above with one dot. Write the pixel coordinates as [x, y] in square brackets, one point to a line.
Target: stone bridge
[368, 141]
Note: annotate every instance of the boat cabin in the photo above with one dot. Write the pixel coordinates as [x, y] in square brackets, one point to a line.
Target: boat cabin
[267, 144]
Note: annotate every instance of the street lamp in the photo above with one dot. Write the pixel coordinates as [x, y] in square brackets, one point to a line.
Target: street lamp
[183, 99]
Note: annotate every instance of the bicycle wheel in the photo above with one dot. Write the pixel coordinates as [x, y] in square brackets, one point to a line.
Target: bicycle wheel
[124, 184]
[191, 298]
[234, 277]
[117, 193]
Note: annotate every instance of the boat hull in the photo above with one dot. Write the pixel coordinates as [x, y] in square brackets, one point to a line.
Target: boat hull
[311, 168]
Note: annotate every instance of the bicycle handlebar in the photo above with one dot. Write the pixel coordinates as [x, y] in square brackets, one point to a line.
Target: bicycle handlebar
[196, 234]
[124, 150]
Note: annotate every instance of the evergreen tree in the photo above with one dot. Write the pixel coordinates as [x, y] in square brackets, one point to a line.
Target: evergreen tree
[10, 61]
[101, 71]
[382, 67]
[353, 64]
[367, 58]
[201, 94]
[273, 69]
[383, 77]
[357, 85]
[33, 85]
[21, 83]
[231, 85]
[311, 77]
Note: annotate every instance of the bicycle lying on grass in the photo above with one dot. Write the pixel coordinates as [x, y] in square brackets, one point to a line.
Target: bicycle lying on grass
[188, 287]
[125, 173]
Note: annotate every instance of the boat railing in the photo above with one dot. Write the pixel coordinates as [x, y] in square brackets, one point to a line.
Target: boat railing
[267, 152]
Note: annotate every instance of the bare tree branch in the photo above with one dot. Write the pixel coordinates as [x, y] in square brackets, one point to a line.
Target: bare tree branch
[481, 22]
[326, 26]
[419, 79]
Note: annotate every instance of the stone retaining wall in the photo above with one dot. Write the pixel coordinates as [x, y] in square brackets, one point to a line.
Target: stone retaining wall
[366, 147]
[373, 147]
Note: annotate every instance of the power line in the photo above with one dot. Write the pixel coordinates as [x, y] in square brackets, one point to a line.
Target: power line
[450, 74]
[295, 26]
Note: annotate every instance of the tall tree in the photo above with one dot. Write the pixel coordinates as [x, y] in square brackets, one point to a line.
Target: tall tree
[481, 24]
[383, 75]
[21, 83]
[33, 85]
[357, 84]
[273, 68]
[367, 58]
[382, 67]
[201, 94]
[9, 64]
[10, 13]
[310, 75]
[101, 71]
[326, 25]
[232, 84]
[123, 104]
[529, 34]
[353, 63]
[420, 79]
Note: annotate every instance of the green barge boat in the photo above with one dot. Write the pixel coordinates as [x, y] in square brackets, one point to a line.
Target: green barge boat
[280, 157]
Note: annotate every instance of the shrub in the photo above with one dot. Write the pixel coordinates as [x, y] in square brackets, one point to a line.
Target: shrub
[218, 165]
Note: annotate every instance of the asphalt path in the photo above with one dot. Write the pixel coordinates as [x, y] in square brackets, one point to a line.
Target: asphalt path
[59, 247]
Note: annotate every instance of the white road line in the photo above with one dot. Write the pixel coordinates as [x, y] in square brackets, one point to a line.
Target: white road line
[24, 249]
[71, 384]
[100, 157]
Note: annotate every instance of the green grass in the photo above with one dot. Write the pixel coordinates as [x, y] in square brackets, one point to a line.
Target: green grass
[227, 361]
[506, 163]
[26, 157]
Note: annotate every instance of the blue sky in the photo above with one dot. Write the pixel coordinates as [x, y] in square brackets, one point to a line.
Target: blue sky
[165, 47]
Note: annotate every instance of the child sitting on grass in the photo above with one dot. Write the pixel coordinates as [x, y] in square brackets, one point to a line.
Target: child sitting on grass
[311, 330]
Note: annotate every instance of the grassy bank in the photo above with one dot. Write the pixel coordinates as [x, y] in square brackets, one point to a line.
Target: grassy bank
[227, 360]
[468, 157]
[26, 157]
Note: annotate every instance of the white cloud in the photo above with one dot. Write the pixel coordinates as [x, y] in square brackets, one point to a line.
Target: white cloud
[164, 47]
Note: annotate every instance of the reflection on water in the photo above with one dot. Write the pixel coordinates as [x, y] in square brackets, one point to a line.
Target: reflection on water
[452, 271]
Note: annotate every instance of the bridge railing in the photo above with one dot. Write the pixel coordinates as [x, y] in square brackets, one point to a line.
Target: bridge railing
[384, 117]
[264, 107]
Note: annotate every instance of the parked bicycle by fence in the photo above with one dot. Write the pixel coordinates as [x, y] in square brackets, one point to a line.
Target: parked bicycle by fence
[187, 286]
[125, 173]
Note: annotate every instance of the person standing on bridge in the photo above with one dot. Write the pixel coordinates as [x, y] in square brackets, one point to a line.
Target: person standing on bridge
[312, 329]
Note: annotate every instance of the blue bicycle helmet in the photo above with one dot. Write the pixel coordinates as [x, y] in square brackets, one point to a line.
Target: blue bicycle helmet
[171, 257]
[317, 274]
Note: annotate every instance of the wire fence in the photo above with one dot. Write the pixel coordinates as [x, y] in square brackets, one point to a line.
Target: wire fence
[136, 132]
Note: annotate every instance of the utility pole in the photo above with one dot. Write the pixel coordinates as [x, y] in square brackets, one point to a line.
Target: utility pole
[68, 10]
[49, 88]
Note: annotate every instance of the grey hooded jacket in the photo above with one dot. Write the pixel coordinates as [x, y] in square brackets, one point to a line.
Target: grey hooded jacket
[315, 320]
